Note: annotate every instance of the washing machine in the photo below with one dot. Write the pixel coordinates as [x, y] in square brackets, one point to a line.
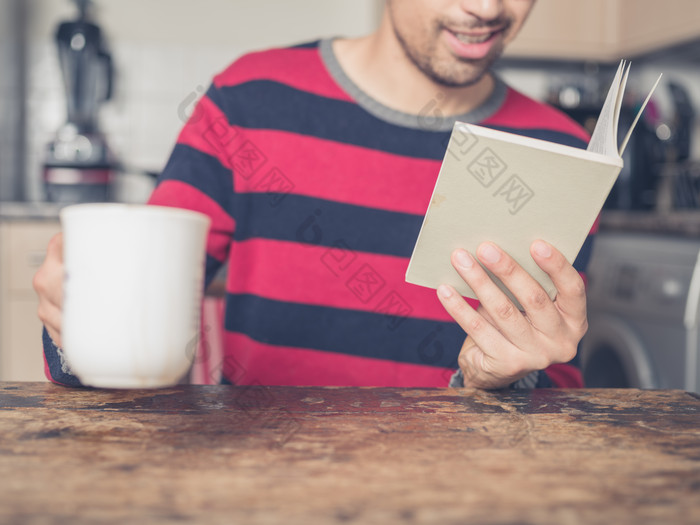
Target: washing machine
[643, 311]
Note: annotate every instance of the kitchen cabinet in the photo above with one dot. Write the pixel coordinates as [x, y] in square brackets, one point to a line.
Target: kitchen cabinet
[22, 249]
[605, 30]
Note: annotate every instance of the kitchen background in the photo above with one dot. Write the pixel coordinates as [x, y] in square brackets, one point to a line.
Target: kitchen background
[644, 285]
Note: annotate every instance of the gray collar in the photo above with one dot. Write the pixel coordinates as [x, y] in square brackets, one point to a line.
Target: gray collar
[427, 119]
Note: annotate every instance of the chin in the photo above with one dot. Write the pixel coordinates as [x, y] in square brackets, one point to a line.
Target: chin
[456, 76]
[452, 71]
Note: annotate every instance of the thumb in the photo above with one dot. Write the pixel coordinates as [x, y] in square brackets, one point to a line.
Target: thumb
[469, 360]
[54, 250]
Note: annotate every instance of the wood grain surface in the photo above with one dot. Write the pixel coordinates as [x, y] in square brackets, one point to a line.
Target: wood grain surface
[220, 454]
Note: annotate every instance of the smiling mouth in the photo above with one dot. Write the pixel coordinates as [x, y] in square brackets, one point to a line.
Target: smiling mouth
[467, 38]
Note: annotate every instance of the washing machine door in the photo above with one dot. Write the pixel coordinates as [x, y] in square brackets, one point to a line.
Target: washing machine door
[613, 355]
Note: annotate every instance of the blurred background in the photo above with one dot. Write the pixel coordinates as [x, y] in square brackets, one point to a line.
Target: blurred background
[163, 55]
[93, 95]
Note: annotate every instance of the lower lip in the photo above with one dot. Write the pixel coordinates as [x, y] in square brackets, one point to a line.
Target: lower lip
[470, 51]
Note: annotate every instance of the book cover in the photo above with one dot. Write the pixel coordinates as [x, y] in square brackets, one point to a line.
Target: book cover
[511, 190]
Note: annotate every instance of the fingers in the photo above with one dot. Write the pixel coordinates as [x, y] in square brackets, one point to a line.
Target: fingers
[54, 250]
[495, 351]
[51, 316]
[48, 280]
[571, 290]
[509, 320]
[471, 321]
[528, 292]
[48, 284]
[502, 344]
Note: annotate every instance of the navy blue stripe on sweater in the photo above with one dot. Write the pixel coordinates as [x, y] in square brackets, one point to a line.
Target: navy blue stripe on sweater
[211, 267]
[581, 262]
[366, 334]
[201, 171]
[309, 220]
[321, 222]
[306, 45]
[54, 362]
[271, 105]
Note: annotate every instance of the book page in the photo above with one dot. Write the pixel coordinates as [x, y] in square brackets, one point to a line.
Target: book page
[636, 118]
[620, 96]
[604, 137]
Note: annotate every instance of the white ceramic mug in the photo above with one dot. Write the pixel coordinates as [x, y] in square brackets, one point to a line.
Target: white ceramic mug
[132, 292]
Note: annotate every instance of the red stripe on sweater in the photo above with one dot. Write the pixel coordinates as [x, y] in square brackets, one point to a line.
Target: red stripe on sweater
[314, 167]
[339, 172]
[47, 372]
[526, 113]
[179, 194]
[329, 276]
[311, 166]
[283, 66]
[208, 131]
[250, 362]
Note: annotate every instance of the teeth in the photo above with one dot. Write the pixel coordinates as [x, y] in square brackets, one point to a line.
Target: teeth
[467, 39]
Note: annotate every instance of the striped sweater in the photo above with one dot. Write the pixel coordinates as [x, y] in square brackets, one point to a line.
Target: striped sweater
[316, 194]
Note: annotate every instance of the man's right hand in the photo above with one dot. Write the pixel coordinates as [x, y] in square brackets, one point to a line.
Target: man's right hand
[48, 284]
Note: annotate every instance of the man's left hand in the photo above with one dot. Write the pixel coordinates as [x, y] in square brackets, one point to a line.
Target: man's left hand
[505, 344]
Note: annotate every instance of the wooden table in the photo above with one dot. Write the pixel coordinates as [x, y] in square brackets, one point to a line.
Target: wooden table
[217, 454]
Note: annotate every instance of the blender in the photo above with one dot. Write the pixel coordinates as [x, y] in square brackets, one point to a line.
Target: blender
[78, 166]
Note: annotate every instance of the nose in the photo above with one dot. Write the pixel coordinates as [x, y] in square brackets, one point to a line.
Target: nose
[483, 9]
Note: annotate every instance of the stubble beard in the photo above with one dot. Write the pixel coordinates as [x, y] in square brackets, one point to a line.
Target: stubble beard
[452, 74]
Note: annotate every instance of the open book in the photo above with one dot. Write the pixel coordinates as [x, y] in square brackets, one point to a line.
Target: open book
[511, 190]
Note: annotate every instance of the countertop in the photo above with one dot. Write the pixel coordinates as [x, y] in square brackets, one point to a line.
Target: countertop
[29, 210]
[679, 223]
[220, 454]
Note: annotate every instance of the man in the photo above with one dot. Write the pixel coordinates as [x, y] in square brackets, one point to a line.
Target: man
[316, 164]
